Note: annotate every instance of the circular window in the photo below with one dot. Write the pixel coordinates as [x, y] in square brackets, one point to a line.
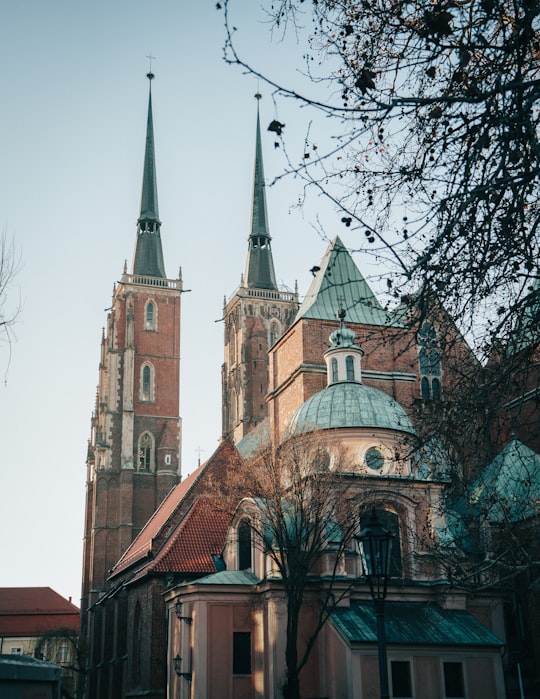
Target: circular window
[374, 459]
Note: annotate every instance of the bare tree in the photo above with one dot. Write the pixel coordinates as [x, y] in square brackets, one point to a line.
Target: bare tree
[304, 520]
[64, 647]
[435, 156]
[9, 266]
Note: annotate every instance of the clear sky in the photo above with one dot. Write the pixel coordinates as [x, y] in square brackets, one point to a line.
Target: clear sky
[72, 131]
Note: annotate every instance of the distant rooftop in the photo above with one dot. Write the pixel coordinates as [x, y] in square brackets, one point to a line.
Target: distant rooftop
[29, 611]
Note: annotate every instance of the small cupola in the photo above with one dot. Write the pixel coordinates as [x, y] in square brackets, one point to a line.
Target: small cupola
[343, 358]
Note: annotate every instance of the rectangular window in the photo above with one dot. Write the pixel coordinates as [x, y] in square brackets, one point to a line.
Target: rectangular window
[62, 654]
[16, 651]
[454, 687]
[241, 653]
[401, 679]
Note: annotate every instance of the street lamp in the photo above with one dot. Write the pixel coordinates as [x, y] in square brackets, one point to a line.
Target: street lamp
[177, 664]
[375, 549]
[178, 610]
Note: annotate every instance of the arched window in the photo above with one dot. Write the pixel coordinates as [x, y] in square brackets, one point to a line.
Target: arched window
[429, 361]
[274, 334]
[244, 545]
[136, 639]
[147, 383]
[349, 365]
[145, 452]
[147, 375]
[232, 346]
[390, 521]
[334, 365]
[150, 316]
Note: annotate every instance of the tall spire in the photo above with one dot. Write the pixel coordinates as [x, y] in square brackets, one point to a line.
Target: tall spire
[148, 258]
[260, 272]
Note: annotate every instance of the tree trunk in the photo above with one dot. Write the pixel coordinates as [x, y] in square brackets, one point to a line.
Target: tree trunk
[291, 688]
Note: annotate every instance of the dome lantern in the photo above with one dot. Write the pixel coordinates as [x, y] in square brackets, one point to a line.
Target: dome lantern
[343, 358]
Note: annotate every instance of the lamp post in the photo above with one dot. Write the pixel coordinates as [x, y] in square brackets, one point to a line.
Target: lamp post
[375, 549]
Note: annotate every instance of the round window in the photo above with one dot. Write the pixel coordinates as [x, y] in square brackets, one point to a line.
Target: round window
[374, 459]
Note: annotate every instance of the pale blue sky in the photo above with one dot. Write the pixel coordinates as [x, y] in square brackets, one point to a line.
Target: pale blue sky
[71, 145]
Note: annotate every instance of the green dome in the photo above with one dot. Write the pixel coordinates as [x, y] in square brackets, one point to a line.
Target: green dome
[349, 404]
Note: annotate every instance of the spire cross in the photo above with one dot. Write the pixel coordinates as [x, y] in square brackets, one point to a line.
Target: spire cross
[199, 451]
[151, 58]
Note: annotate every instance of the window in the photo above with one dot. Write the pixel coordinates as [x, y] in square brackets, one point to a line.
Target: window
[374, 459]
[136, 639]
[389, 520]
[145, 452]
[244, 545]
[16, 650]
[62, 653]
[349, 365]
[147, 383]
[401, 679]
[150, 316]
[454, 687]
[334, 370]
[429, 360]
[241, 653]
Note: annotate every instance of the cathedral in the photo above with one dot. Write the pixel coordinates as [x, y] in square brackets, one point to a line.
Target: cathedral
[185, 598]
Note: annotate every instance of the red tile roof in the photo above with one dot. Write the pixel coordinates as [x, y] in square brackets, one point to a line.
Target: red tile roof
[200, 536]
[143, 542]
[30, 611]
[176, 514]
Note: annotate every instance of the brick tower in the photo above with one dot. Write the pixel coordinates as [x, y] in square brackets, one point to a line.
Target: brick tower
[134, 447]
[255, 317]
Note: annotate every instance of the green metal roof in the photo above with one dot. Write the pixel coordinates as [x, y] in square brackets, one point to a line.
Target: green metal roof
[413, 623]
[148, 258]
[260, 272]
[339, 284]
[509, 488]
[255, 439]
[149, 198]
[349, 404]
[227, 577]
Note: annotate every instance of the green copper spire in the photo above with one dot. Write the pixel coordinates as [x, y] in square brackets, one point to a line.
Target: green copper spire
[260, 265]
[148, 258]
